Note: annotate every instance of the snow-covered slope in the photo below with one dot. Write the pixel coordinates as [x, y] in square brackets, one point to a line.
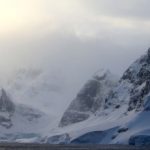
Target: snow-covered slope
[124, 114]
[19, 121]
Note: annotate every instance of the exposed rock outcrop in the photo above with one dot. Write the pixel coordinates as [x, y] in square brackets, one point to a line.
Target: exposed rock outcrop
[133, 87]
[90, 99]
[7, 109]
[6, 105]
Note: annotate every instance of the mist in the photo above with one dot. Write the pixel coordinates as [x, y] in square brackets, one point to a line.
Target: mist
[68, 42]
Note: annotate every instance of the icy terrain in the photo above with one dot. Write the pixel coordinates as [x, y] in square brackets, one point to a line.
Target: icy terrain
[18, 121]
[123, 114]
[106, 110]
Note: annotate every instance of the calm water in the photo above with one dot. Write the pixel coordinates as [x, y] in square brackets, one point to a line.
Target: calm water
[68, 147]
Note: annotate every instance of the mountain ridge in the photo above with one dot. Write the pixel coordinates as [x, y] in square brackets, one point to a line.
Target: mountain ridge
[125, 106]
[107, 110]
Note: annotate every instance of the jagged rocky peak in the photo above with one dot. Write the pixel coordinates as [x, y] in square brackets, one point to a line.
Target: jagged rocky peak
[90, 98]
[148, 52]
[6, 105]
[139, 71]
[134, 86]
[140, 81]
[7, 109]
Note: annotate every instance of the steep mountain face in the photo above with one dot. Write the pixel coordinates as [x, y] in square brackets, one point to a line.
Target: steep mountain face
[133, 87]
[6, 105]
[90, 99]
[121, 110]
[7, 109]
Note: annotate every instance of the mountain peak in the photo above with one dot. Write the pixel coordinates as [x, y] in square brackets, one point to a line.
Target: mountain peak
[103, 93]
[6, 105]
[102, 73]
[134, 85]
[90, 99]
[148, 52]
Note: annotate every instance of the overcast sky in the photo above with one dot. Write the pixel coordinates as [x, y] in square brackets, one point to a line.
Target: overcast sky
[73, 38]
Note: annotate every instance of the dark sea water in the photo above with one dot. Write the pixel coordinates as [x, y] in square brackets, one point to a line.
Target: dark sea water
[68, 147]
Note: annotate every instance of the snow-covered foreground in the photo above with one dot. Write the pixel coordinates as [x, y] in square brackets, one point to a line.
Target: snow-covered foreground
[114, 129]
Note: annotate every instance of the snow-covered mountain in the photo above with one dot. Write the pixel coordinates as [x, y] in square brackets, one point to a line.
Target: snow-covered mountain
[90, 99]
[19, 121]
[107, 112]
[40, 88]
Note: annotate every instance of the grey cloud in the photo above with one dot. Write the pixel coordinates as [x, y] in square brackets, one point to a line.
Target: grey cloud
[138, 9]
[81, 46]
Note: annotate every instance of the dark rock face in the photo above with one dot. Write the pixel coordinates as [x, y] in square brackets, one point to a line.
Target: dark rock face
[81, 105]
[148, 53]
[88, 101]
[6, 105]
[121, 130]
[73, 117]
[84, 100]
[139, 71]
[140, 140]
[137, 98]
[7, 108]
